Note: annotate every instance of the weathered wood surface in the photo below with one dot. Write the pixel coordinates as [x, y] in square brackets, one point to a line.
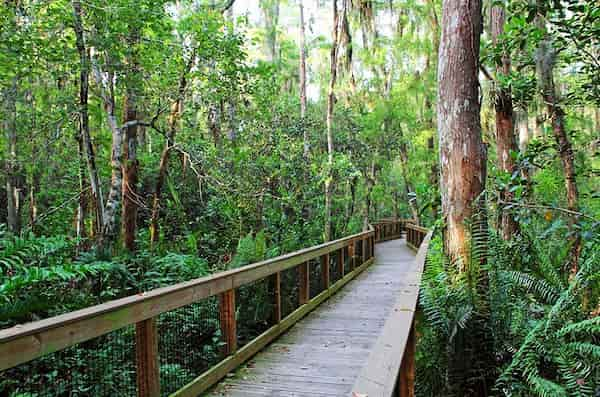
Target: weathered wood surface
[323, 354]
[391, 365]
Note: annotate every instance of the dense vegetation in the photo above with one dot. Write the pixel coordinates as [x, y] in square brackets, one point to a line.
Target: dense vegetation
[146, 143]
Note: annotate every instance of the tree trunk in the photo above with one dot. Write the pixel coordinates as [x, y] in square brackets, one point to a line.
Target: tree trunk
[130, 173]
[84, 124]
[330, 105]
[545, 59]
[370, 182]
[113, 201]
[270, 9]
[461, 148]
[81, 203]
[303, 82]
[175, 115]
[13, 205]
[505, 133]
[434, 177]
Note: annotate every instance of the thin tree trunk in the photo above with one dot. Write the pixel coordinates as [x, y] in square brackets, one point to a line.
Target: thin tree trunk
[370, 182]
[270, 9]
[434, 177]
[330, 106]
[113, 201]
[81, 203]
[175, 115]
[352, 204]
[303, 82]
[84, 126]
[545, 59]
[462, 155]
[130, 174]
[505, 132]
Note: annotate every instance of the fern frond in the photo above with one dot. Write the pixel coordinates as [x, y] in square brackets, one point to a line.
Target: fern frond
[586, 327]
[531, 284]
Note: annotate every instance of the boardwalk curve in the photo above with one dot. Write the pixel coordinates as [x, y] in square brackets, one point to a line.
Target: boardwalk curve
[323, 354]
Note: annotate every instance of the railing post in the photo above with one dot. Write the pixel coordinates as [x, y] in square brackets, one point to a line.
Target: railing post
[325, 270]
[351, 255]
[277, 296]
[341, 267]
[146, 352]
[227, 317]
[304, 283]
[372, 246]
[364, 249]
[406, 379]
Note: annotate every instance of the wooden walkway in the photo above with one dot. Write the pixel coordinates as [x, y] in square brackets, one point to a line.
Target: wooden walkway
[323, 354]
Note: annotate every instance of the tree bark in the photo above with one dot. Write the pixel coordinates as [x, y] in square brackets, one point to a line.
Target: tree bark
[462, 155]
[84, 123]
[113, 201]
[545, 60]
[174, 116]
[130, 173]
[505, 132]
[330, 106]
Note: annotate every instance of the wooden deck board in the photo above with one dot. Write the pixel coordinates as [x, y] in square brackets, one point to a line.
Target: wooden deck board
[322, 354]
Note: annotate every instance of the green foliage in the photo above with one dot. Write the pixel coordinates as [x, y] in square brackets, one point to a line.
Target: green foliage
[529, 322]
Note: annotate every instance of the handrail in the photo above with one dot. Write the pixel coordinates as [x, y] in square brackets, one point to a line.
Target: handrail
[23, 343]
[390, 368]
[230, 278]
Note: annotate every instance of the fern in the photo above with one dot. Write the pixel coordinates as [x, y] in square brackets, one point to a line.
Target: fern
[531, 284]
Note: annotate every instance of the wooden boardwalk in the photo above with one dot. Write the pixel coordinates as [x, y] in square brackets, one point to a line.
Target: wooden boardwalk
[323, 354]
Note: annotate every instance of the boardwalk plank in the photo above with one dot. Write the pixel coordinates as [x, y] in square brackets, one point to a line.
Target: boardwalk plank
[322, 355]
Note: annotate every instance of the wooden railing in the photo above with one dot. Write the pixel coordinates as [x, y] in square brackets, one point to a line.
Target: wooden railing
[415, 235]
[389, 229]
[390, 368]
[197, 315]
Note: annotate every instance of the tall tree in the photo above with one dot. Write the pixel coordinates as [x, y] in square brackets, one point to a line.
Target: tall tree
[462, 154]
[113, 202]
[505, 131]
[130, 118]
[329, 121]
[545, 61]
[302, 72]
[84, 119]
